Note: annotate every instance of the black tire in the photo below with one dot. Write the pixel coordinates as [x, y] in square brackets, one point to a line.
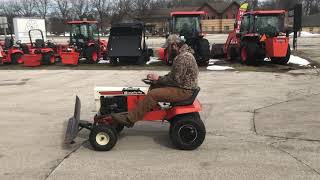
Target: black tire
[203, 52]
[282, 60]
[143, 58]
[251, 48]
[232, 53]
[15, 58]
[187, 132]
[103, 137]
[91, 55]
[46, 58]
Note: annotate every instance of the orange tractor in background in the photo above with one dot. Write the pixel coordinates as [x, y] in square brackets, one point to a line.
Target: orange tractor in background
[84, 43]
[257, 35]
[187, 25]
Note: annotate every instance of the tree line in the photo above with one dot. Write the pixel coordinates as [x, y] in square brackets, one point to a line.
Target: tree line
[108, 11]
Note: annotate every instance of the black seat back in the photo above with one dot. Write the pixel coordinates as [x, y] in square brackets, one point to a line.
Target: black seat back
[25, 48]
[8, 42]
[39, 43]
[188, 101]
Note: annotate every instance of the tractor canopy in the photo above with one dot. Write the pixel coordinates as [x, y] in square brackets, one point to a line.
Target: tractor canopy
[126, 40]
[187, 24]
[270, 22]
[83, 32]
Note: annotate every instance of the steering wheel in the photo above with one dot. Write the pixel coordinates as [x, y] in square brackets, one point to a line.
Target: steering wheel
[147, 81]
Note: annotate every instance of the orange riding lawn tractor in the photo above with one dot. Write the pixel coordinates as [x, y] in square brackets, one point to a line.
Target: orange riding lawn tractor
[37, 52]
[257, 35]
[10, 51]
[188, 26]
[84, 43]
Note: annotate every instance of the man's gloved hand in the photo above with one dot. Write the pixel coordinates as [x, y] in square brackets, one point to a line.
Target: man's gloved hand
[153, 77]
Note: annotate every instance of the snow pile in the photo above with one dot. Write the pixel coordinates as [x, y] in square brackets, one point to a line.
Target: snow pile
[298, 60]
[104, 61]
[153, 60]
[219, 68]
[213, 61]
[306, 34]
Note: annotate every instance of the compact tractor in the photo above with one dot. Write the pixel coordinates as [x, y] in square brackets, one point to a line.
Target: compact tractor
[10, 51]
[188, 26]
[37, 52]
[84, 43]
[187, 131]
[257, 35]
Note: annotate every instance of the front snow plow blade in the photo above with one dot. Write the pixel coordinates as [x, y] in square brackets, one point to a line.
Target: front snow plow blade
[73, 123]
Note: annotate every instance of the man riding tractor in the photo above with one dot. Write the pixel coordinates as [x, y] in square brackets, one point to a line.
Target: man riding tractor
[178, 85]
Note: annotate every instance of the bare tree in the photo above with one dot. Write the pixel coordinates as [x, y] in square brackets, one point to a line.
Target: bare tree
[80, 8]
[102, 8]
[27, 7]
[63, 7]
[42, 7]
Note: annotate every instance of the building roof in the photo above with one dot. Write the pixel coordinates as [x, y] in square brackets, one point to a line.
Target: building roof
[219, 6]
[311, 21]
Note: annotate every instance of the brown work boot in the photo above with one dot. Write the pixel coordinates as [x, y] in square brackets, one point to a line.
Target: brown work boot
[122, 118]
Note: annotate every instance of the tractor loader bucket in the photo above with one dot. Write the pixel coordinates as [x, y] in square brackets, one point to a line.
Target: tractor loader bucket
[69, 58]
[73, 123]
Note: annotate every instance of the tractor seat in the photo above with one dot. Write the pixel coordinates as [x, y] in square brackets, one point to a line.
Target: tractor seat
[188, 101]
[8, 42]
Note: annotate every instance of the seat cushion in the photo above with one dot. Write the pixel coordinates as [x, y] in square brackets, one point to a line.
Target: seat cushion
[188, 101]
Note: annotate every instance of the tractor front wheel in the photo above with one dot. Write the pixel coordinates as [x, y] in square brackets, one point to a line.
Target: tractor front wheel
[187, 132]
[48, 58]
[248, 53]
[15, 58]
[103, 137]
[91, 55]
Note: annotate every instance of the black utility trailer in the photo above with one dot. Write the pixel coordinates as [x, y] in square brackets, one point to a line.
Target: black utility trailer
[127, 44]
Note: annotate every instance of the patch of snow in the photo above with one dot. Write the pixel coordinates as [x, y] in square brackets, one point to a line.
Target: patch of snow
[306, 34]
[153, 60]
[298, 60]
[104, 61]
[213, 61]
[219, 68]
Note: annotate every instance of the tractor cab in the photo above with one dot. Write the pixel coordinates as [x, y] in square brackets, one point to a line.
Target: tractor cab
[83, 32]
[187, 24]
[270, 23]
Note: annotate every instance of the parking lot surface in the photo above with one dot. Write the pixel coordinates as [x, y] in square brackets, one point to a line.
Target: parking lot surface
[260, 125]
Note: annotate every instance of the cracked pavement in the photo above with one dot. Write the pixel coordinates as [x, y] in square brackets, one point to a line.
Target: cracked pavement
[259, 126]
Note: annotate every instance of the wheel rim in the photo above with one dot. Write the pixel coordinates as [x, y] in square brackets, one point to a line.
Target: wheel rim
[94, 56]
[244, 54]
[102, 138]
[188, 134]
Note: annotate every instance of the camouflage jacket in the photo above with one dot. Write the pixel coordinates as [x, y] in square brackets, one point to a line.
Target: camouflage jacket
[184, 71]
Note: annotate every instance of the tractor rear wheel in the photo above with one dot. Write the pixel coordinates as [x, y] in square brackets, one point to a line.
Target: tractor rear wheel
[91, 54]
[282, 60]
[187, 131]
[15, 58]
[48, 58]
[103, 137]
